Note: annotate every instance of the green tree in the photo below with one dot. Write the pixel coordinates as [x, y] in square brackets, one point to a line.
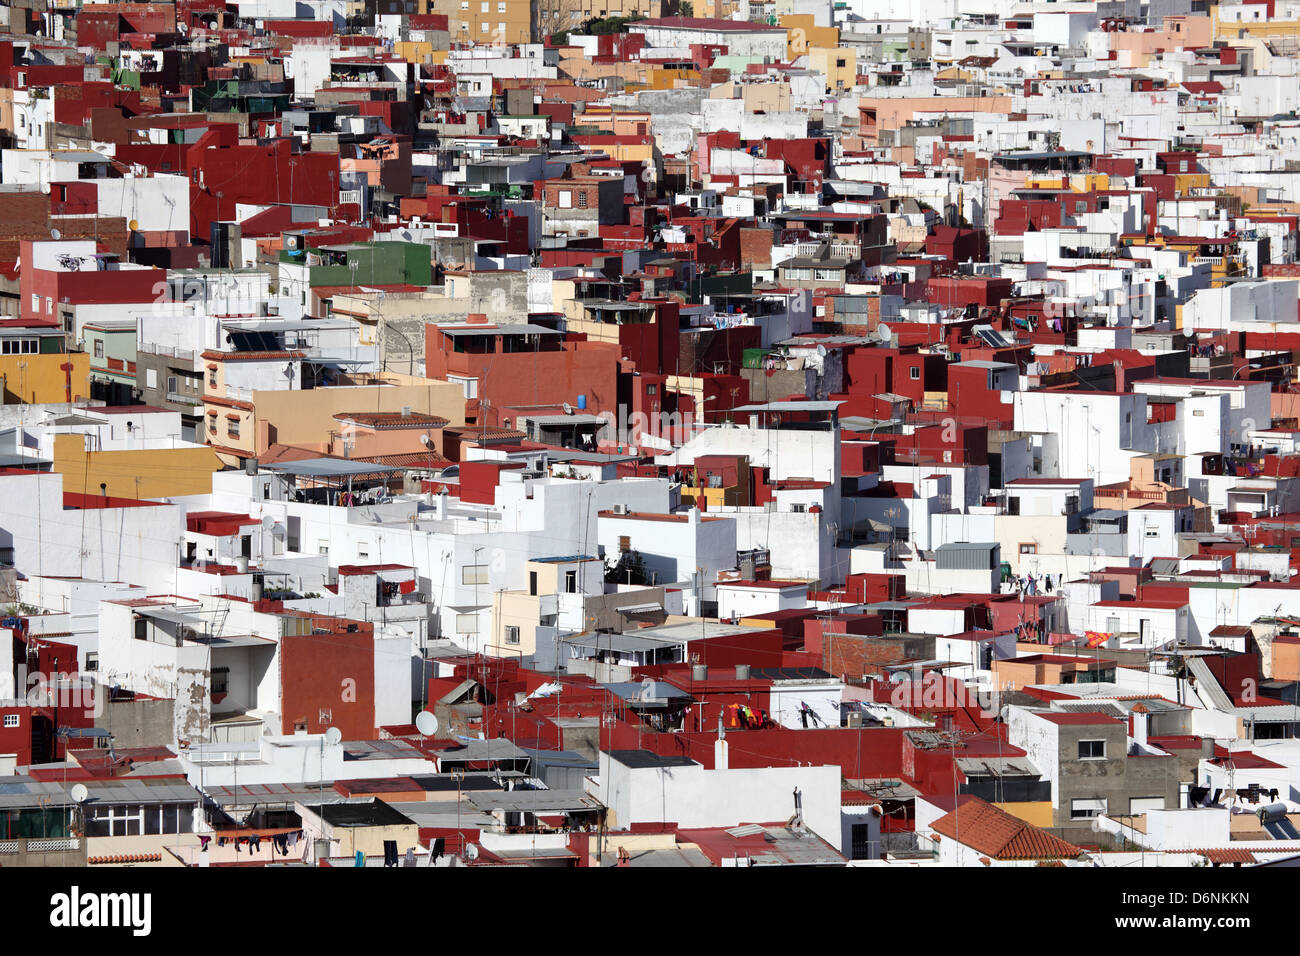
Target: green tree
[629, 569]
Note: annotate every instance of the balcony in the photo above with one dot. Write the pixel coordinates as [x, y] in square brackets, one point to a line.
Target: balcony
[44, 851]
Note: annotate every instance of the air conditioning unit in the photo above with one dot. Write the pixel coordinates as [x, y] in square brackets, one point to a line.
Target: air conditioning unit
[620, 509]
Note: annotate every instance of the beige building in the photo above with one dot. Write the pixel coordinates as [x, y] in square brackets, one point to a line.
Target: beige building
[565, 595]
[353, 828]
[240, 429]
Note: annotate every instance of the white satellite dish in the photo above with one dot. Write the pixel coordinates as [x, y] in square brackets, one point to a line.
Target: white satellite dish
[56, 235]
[426, 723]
[268, 523]
[79, 793]
[568, 409]
[426, 441]
[333, 736]
[45, 188]
[886, 334]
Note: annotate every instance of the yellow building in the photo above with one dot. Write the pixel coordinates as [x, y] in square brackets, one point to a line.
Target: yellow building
[39, 378]
[839, 64]
[1075, 182]
[486, 21]
[802, 34]
[1038, 813]
[418, 52]
[134, 473]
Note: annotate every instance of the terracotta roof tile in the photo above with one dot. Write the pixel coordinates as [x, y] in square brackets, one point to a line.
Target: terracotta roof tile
[996, 833]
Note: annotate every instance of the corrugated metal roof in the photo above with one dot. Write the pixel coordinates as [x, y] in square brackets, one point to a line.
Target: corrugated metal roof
[966, 556]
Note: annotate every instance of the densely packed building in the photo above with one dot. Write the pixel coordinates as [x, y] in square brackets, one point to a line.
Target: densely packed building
[732, 433]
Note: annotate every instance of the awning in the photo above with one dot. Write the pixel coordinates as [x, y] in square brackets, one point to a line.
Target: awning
[641, 609]
[328, 468]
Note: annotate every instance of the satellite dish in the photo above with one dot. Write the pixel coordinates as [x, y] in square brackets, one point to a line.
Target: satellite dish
[426, 441]
[79, 792]
[54, 233]
[886, 334]
[133, 225]
[45, 188]
[268, 523]
[568, 409]
[426, 723]
[333, 736]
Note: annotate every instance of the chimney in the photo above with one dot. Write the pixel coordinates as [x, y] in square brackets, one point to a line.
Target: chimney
[720, 748]
[1139, 718]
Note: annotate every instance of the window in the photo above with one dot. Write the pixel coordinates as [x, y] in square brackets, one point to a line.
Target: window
[363, 549]
[99, 348]
[1083, 809]
[220, 680]
[466, 623]
[141, 628]
[323, 547]
[212, 376]
[483, 27]
[474, 574]
[232, 427]
[1081, 207]
[117, 821]
[12, 720]
[512, 634]
[92, 661]
[171, 382]
[914, 373]
[483, 7]
[532, 583]
[570, 582]
[1027, 548]
[1092, 750]
[212, 421]
[566, 199]
[582, 199]
[651, 389]
[501, 6]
